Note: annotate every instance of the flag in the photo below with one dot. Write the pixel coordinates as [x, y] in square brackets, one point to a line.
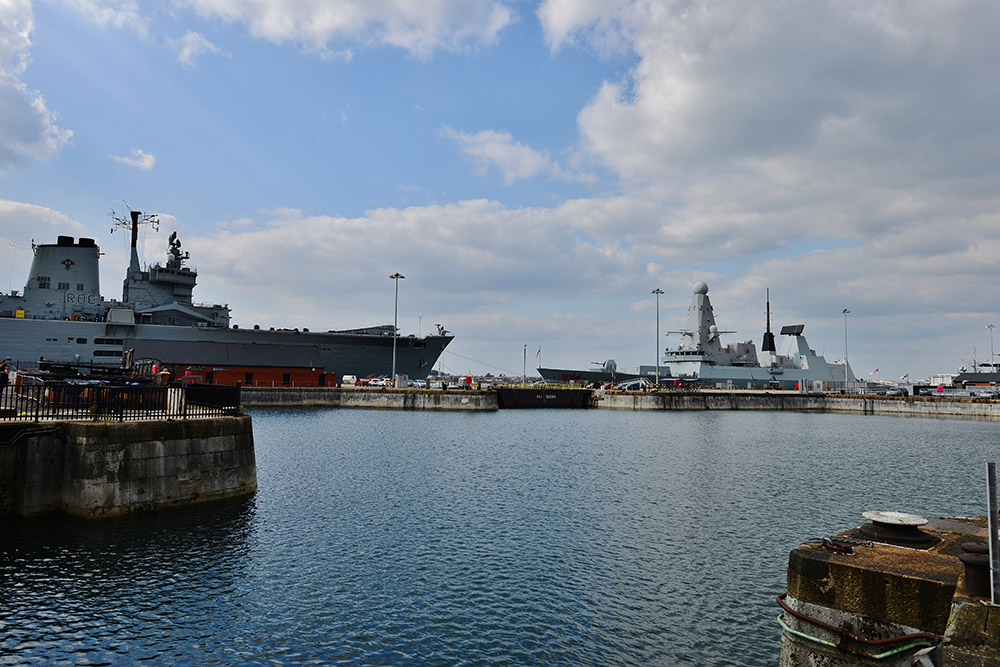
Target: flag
[904, 377]
[873, 372]
[539, 353]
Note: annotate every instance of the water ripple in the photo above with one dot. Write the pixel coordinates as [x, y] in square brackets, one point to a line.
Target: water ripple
[517, 538]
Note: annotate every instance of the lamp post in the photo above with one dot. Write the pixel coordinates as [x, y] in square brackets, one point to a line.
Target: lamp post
[524, 370]
[657, 292]
[395, 319]
[845, 312]
[991, 327]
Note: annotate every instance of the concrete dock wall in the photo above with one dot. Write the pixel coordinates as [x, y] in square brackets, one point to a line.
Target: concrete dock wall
[400, 399]
[727, 400]
[98, 469]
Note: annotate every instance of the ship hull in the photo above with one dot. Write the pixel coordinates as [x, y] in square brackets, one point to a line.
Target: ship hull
[26, 341]
[590, 377]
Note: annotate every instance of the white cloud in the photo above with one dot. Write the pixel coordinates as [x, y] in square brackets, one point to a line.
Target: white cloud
[137, 158]
[27, 127]
[514, 160]
[192, 46]
[113, 13]
[420, 28]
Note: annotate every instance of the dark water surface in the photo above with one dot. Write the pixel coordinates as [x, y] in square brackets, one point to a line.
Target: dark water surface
[513, 538]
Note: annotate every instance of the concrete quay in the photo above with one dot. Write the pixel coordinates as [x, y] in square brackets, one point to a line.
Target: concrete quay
[364, 397]
[875, 596]
[719, 399]
[100, 469]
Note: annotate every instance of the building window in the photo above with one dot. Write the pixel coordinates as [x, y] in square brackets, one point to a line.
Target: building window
[286, 379]
[79, 287]
[321, 380]
[81, 341]
[248, 380]
[43, 282]
[209, 377]
[107, 353]
[63, 286]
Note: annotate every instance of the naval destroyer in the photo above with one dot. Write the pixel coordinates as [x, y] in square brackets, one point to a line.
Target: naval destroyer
[61, 317]
[701, 359]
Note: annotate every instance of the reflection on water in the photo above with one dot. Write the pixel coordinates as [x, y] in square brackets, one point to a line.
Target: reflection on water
[523, 537]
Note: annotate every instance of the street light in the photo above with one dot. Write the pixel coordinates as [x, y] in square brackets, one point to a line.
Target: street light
[395, 319]
[657, 292]
[991, 327]
[845, 312]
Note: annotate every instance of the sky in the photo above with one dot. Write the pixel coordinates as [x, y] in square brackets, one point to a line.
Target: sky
[534, 169]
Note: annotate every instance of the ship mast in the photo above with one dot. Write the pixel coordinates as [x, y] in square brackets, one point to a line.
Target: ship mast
[132, 223]
[768, 344]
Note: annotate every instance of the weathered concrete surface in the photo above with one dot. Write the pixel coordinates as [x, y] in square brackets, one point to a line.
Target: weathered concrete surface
[717, 399]
[98, 469]
[400, 399]
[886, 591]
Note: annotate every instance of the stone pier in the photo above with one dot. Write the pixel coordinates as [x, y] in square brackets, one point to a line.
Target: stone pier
[895, 598]
[100, 469]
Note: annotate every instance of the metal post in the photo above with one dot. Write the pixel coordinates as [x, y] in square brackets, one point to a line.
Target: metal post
[845, 312]
[991, 327]
[395, 319]
[992, 539]
[657, 292]
[524, 371]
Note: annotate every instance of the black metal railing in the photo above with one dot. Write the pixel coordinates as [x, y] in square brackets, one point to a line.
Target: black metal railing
[100, 402]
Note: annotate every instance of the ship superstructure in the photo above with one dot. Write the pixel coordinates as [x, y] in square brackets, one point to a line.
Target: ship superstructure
[702, 359]
[702, 356]
[61, 317]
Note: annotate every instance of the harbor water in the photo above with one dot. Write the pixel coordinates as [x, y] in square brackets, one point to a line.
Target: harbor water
[543, 537]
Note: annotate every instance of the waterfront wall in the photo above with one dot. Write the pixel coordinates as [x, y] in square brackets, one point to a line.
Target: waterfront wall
[99, 469]
[400, 399]
[726, 400]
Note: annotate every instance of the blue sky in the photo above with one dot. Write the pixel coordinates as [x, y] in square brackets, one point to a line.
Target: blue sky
[535, 169]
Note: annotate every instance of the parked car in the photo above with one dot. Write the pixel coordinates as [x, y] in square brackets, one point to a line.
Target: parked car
[896, 391]
[633, 385]
[989, 393]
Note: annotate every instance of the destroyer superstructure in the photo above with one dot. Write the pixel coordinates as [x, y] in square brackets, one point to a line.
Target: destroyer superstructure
[62, 317]
[701, 358]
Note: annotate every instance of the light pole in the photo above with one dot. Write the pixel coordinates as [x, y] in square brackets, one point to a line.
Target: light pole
[991, 327]
[657, 292]
[395, 319]
[845, 312]
[524, 370]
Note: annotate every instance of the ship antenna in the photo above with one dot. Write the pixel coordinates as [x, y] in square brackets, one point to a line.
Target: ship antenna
[132, 223]
[768, 344]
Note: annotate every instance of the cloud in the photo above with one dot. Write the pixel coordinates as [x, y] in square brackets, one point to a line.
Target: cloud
[113, 13]
[28, 128]
[137, 158]
[191, 46]
[420, 28]
[514, 160]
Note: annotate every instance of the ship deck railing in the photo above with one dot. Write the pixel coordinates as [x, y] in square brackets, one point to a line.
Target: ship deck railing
[69, 401]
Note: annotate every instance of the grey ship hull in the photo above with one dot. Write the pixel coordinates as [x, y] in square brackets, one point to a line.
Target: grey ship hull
[26, 341]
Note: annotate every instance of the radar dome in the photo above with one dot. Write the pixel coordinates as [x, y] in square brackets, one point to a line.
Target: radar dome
[700, 288]
[713, 329]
